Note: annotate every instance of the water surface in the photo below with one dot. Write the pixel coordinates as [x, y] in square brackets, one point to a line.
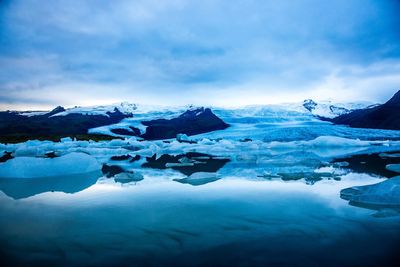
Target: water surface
[235, 221]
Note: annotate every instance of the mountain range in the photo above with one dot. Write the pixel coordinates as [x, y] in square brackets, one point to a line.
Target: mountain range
[385, 116]
[166, 123]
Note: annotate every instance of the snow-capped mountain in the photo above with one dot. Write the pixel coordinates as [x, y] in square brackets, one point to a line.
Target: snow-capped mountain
[385, 116]
[325, 109]
[126, 119]
[123, 107]
[329, 109]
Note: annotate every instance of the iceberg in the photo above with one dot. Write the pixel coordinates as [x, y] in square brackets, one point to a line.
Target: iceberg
[183, 138]
[31, 167]
[199, 178]
[127, 177]
[23, 177]
[393, 167]
[381, 195]
[23, 188]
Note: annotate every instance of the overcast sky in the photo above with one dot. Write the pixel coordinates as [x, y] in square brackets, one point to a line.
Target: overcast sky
[211, 52]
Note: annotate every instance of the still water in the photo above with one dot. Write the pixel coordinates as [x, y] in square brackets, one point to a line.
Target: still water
[234, 221]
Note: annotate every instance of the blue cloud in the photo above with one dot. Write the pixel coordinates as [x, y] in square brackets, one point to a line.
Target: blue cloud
[161, 48]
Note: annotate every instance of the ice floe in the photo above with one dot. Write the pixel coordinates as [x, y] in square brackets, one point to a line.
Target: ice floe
[383, 194]
[31, 167]
[127, 177]
[324, 146]
[393, 167]
[199, 178]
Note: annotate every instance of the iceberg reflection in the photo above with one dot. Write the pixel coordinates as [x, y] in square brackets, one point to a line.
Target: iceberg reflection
[23, 188]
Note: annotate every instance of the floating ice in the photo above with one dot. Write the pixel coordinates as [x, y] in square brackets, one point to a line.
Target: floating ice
[393, 167]
[389, 155]
[199, 178]
[30, 167]
[383, 194]
[327, 141]
[182, 138]
[66, 139]
[127, 177]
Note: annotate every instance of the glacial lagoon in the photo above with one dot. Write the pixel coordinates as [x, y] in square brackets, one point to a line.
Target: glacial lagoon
[221, 200]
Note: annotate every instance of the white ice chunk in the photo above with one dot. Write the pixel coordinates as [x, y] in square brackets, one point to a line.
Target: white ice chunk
[66, 139]
[182, 138]
[199, 178]
[30, 167]
[202, 175]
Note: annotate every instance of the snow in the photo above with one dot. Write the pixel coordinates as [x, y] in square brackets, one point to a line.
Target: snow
[30, 167]
[33, 113]
[124, 107]
[141, 113]
[329, 109]
[282, 122]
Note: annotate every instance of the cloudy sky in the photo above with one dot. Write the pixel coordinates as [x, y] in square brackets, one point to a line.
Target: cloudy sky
[212, 52]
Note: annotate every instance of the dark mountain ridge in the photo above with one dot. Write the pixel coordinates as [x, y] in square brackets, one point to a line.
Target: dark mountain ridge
[191, 122]
[14, 126]
[385, 116]
[18, 127]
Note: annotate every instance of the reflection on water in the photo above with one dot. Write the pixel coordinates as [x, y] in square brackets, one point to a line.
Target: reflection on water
[226, 223]
[374, 163]
[23, 188]
[199, 178]
[272, 210]
[188, 163]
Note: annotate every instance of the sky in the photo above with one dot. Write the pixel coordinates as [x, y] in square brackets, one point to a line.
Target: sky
[209, 52]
